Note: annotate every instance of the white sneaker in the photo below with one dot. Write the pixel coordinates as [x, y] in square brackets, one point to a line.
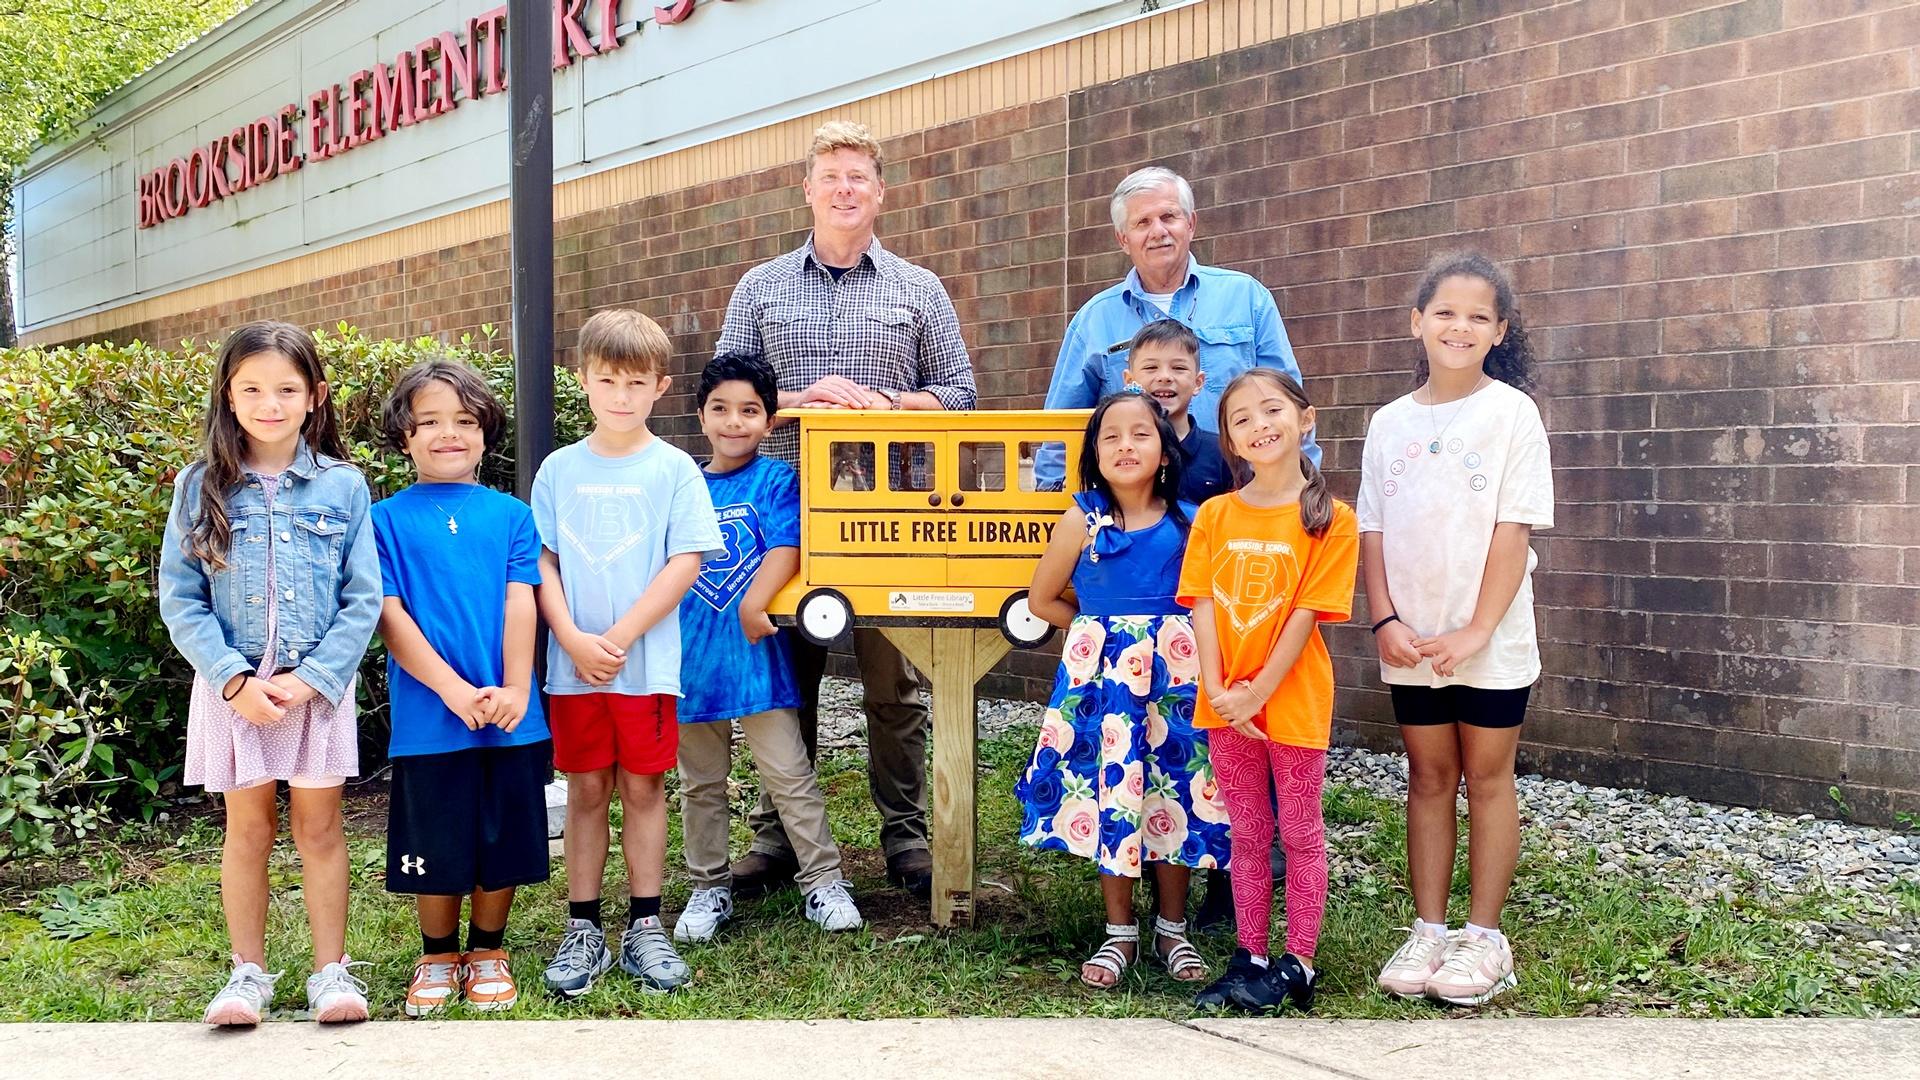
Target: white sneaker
[244, 1000]
[335, 996]
[706, 911]
[1413, 963]
[831, 907]
[1478, 969]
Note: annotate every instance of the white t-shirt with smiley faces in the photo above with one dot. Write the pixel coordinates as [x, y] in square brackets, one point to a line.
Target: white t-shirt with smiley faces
[1436, 512]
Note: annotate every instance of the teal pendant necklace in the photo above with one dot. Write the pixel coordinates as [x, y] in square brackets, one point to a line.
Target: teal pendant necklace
[1434, 446]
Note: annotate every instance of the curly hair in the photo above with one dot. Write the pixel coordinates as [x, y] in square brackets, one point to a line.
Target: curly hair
[1511, 361]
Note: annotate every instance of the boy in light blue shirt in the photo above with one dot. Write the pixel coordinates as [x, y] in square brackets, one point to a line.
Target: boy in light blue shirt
[625, 522]
[741, 670]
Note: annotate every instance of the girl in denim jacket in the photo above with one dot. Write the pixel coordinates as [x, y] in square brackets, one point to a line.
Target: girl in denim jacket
[270, 587]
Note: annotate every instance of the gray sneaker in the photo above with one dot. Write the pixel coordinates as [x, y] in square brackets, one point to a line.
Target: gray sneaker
[831, 907]
[243, 1001]
[647, 955]
[335, 995]
[581, 958]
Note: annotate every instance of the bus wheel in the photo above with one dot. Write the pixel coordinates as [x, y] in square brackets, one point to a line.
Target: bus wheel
[1019, 625]
[823, 617]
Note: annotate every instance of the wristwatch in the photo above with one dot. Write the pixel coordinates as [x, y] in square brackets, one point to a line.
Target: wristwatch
[892, 396]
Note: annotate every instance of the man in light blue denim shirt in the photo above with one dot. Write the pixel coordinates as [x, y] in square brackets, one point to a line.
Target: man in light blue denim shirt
[1233, 315]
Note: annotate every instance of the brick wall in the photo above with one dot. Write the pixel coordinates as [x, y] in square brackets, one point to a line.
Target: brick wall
[1710, 209]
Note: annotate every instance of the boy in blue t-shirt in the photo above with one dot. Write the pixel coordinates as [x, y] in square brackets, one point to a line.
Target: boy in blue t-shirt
[470, 749]
[742, 671]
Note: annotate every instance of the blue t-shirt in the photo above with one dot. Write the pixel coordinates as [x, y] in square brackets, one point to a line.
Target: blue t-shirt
[454, 585]
[728, 677]
[614, 522]
[1203, 472]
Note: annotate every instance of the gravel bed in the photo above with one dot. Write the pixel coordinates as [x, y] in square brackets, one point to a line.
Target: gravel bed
[1699, 847]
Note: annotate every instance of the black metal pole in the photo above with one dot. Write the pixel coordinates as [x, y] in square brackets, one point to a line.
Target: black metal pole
[530, 193]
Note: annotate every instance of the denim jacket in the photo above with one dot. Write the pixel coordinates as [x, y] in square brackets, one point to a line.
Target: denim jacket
[325, 566]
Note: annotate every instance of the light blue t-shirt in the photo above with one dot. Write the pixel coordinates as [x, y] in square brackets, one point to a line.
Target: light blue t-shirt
[614, 523]
[454, 585]
[727, 676]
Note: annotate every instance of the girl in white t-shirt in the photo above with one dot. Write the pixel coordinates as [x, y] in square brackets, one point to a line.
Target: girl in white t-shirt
[1454, 478]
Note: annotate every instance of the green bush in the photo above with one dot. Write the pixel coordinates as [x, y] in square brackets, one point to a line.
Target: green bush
[91, 438]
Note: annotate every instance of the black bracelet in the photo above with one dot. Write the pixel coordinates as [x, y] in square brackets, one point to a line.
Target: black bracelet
[237, 689]
[1385, 621]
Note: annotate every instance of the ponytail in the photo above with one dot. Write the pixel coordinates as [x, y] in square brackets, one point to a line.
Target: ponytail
[1316, 502]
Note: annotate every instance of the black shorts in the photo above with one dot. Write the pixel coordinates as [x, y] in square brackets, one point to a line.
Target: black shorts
[1425, 706]
[469, 819]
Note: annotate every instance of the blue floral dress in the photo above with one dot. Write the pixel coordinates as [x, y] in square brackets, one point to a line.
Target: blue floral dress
[1119, 775]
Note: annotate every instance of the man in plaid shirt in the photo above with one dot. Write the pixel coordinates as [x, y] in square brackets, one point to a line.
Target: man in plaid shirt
[848, 324]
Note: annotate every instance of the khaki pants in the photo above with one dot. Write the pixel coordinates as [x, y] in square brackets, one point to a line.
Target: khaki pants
[897, 721]
[787, 780]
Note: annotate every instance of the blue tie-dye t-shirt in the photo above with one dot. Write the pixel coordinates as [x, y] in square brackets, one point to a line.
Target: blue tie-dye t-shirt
[725, 676]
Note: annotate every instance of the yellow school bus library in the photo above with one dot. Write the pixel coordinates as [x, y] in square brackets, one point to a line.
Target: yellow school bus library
[924, 519]
[927, 526]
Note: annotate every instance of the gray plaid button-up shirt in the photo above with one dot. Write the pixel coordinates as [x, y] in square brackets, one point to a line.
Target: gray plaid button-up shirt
[886, 324]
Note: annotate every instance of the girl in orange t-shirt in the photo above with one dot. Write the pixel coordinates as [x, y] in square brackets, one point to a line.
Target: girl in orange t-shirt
[1265, 565]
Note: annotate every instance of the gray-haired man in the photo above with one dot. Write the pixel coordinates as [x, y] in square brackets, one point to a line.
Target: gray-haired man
[1232, 314]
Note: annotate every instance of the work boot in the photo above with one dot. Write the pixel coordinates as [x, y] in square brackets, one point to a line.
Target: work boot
[757, 873]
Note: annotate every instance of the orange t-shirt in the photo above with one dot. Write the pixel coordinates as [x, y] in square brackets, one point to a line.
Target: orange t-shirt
[1258, 566]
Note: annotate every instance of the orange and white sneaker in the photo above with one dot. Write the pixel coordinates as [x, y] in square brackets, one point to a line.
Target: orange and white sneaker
[1477, 969]
[436, 982]
[487, 978]
[1414, 963]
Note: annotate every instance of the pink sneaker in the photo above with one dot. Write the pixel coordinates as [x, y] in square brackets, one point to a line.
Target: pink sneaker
[244, 1000]
[335, 995]
[1413, 963]
[1477, 970]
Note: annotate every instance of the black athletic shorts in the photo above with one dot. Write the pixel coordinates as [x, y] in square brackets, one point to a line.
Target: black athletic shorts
[1424, 706]
[469, 819]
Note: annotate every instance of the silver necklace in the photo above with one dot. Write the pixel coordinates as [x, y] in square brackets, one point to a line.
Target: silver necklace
[1434, 446]
[453, 525]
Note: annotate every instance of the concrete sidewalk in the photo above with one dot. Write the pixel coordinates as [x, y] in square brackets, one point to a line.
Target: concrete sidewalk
[882, 1049]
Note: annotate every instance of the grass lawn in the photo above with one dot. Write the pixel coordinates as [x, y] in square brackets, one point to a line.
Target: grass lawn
[135, 933]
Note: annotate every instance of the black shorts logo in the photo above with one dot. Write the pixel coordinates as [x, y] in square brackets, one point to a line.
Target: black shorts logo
[413, 864]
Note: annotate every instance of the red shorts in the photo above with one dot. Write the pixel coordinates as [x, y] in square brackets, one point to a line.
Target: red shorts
[639, 732]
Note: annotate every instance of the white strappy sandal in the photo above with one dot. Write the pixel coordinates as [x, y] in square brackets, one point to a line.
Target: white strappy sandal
[1108, 956]
[1182, 956]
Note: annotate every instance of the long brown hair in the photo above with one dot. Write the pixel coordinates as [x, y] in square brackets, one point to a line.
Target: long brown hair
[226, 442]
[1316, 502]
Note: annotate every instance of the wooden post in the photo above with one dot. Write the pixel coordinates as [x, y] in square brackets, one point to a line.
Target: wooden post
[954, 659]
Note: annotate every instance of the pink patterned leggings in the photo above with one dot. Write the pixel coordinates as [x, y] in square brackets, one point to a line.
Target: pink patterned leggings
[1249, 771]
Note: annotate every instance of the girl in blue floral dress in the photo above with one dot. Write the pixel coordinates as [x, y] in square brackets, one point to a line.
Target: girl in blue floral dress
[1119, 775]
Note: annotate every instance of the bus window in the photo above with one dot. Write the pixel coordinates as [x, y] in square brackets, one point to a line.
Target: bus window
[910, 466]
[852, 466]
[983, 466]
[1027, 452]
